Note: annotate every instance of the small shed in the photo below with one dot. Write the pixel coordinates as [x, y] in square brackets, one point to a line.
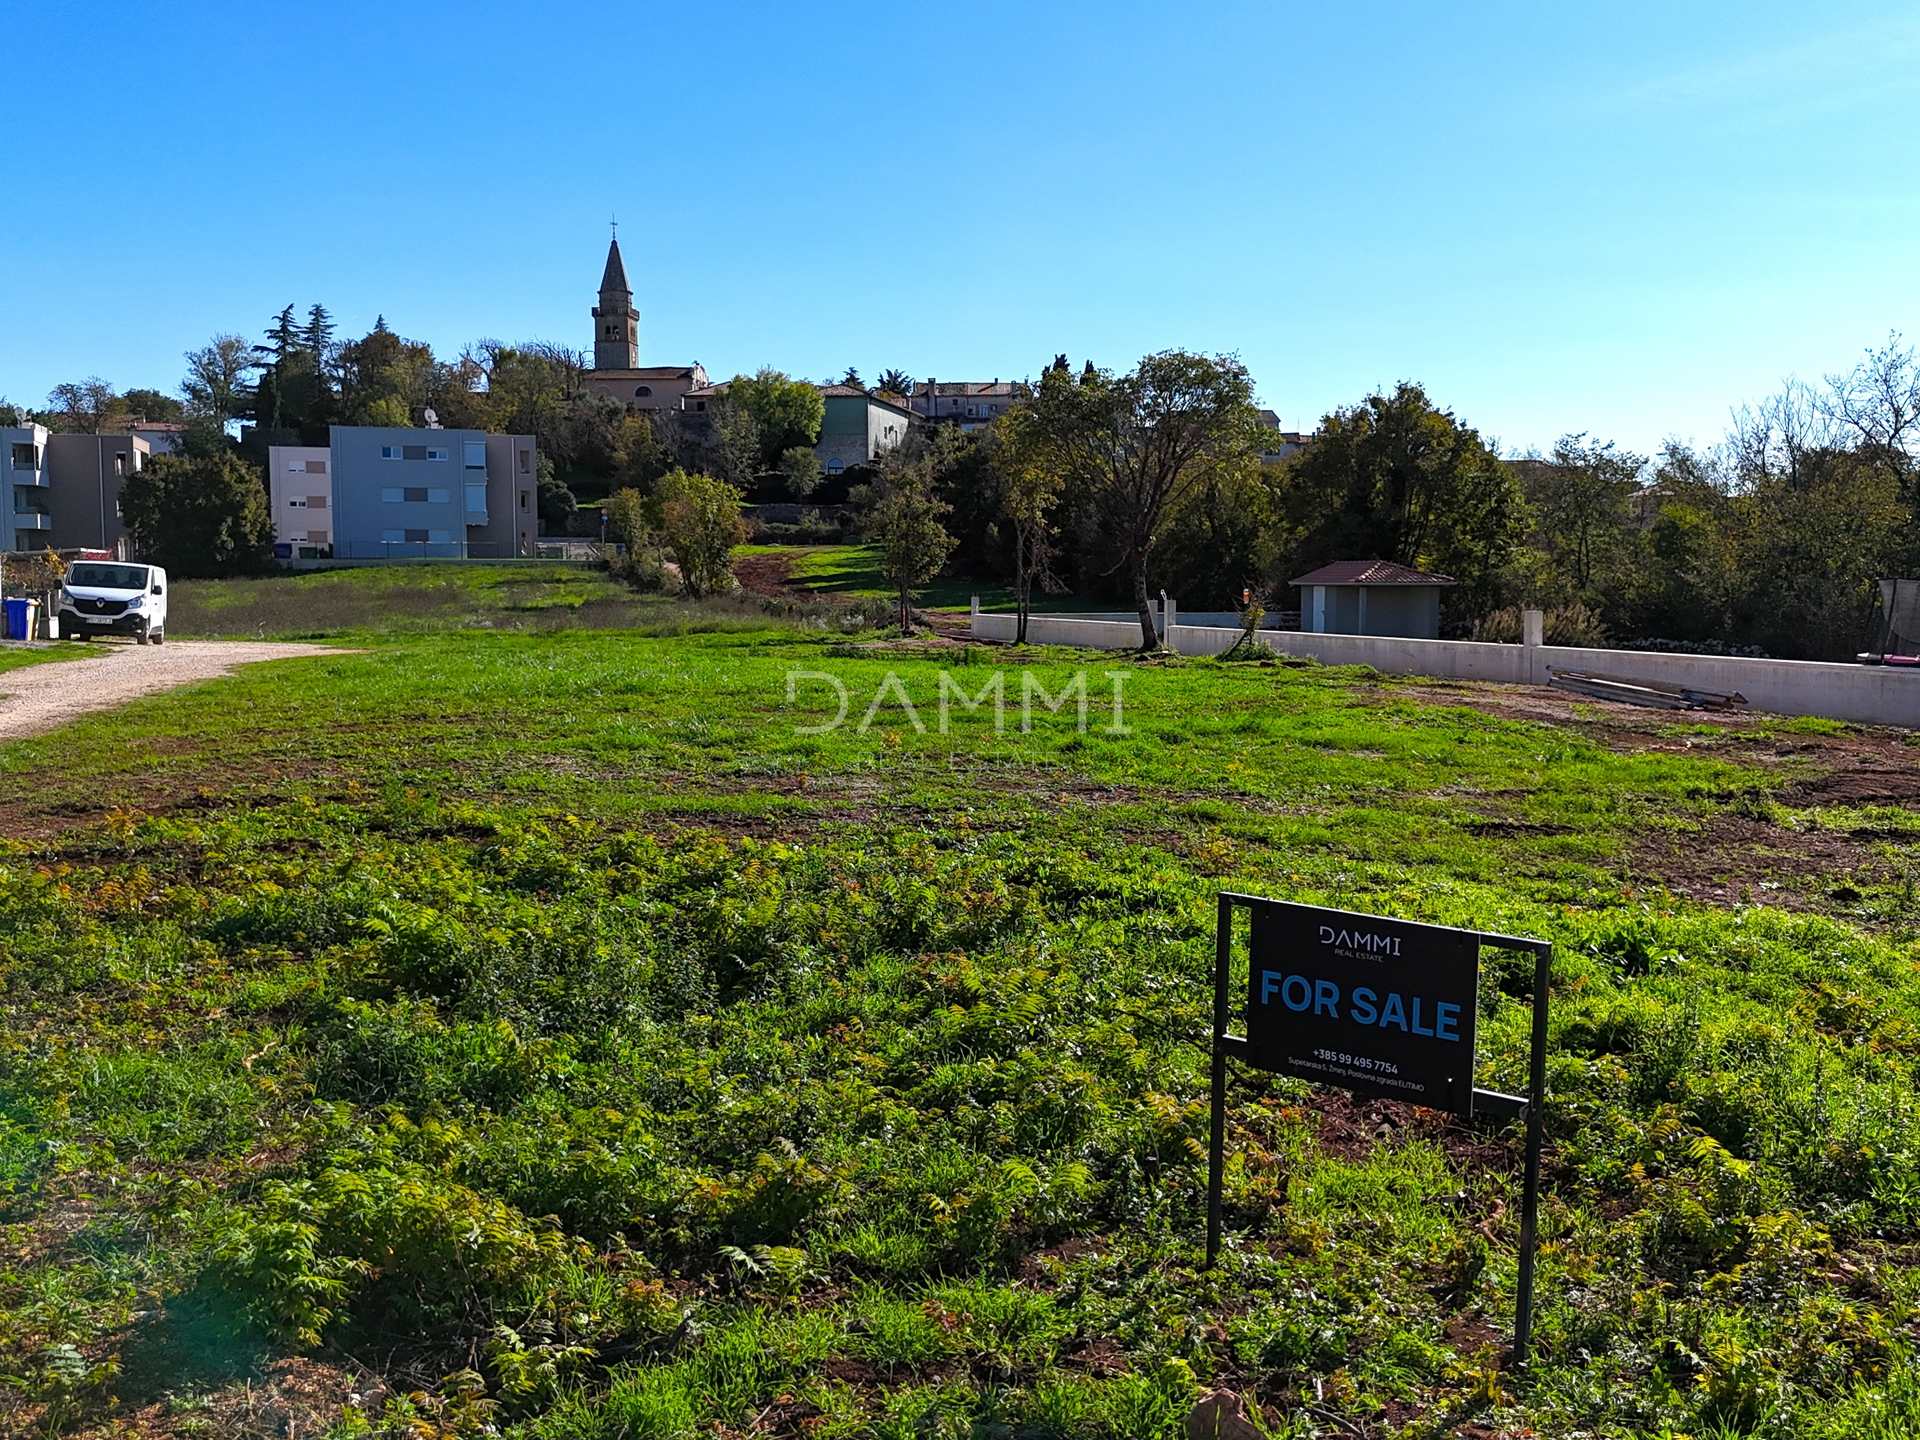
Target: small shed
[1371, 597]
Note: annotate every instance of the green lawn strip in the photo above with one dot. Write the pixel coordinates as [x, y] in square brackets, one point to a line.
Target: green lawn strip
[12, 658]
[858, 1070]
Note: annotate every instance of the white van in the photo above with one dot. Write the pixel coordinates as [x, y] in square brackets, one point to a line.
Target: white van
[106, 597]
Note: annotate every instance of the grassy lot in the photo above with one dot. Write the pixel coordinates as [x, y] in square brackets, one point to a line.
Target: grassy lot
[854, 570]
[538, 1032]
[392, 600]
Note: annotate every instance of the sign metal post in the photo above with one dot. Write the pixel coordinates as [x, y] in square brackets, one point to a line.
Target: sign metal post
[1379, 1007]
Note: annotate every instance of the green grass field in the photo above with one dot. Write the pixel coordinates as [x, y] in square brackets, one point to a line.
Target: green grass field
[536, 1034]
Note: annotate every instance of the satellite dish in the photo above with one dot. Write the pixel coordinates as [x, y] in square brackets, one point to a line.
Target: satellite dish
[433, 420]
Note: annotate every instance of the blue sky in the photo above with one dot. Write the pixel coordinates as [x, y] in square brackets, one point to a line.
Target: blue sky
[1622, 219]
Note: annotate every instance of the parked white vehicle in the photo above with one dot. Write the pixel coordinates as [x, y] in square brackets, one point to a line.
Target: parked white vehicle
[104, 597]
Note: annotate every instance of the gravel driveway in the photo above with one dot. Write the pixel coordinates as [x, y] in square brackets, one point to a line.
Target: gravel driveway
[40, 697]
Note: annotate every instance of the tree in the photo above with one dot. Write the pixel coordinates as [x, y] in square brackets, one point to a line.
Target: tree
[788, 412]
[1029, 494]
[556, 501]
[199, 515]
[1397, 478]
[698, 518]
[738, 448]
[1579, 501]
[852, 377]
[86, 406]
[894, 382]
[218, 387]
[903, 519]
[152, 405]
[296, 389]
[800, 469]
[1130, 450]
[385, 380]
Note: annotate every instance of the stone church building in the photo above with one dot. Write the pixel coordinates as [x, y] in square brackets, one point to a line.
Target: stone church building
[617, 370]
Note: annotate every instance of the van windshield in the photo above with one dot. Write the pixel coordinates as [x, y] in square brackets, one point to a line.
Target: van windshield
[108, 577]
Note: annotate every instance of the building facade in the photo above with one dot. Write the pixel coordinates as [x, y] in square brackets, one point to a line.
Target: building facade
[87, 472]
[970, 404]
[617, 370]
[26, 484]
[1371, 597]
[431, 494]
[857, 427]
[300, 492]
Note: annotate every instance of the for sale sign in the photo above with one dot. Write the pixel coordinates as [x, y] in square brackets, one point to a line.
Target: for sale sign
[1378, 1006]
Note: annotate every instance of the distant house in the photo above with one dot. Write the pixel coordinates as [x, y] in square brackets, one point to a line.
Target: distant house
[1371, 597]
[858, 426]
[969, 404]
[1277, 444]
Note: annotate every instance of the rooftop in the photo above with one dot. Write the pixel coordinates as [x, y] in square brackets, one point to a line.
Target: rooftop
[1370, 572]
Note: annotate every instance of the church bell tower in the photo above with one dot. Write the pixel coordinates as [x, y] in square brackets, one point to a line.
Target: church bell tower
[616, 324]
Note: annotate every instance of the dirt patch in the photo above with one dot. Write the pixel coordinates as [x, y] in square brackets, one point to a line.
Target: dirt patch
[765, 574]
[1351, 1127]
[1727, 858]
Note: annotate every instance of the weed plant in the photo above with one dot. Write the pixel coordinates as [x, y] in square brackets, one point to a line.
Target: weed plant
[539, 1036]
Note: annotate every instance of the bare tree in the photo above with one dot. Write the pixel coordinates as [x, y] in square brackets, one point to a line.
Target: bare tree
[1877, 405]
[85, 406]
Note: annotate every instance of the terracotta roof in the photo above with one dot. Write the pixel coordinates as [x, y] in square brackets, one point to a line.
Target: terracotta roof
[1370, 572]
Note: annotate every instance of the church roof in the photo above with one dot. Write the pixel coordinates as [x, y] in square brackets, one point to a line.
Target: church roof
[616, 277]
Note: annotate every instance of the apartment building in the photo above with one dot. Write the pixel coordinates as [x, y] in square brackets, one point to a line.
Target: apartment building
[300, 494]
[399, 493]
[86, 473]
[26, 485]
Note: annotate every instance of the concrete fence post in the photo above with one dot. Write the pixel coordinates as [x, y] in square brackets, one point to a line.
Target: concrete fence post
[1533, 631]
[1173, 618]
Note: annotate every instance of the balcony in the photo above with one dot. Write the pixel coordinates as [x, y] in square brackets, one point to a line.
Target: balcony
[32, 520]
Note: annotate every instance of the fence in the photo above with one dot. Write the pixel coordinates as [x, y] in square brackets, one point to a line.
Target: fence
[1863, 694]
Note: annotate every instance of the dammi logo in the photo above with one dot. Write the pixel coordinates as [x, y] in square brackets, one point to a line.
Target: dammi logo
[1355, 942]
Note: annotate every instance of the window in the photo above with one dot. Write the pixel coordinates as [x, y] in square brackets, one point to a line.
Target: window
[390, 452]
[392, 495]
[476, 499]
[296, 502]
[25, 457]
[700, 405]
[418, 537]
[438, 454]
[414, 494]
[413, 452]
[439, 537]
[835, 466]
[523, 499]
[438, 496]
[316, 537]
[640, 392]
[316, 502]
[120, 463]
[296, 467]
[476, 454]
[526, 462]
[316, 467]
[393, 537]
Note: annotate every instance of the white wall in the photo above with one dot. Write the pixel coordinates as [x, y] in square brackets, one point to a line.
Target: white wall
[290, 480]
[1863, 694]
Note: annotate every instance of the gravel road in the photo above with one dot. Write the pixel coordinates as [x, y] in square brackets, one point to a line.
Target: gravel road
[40, 697]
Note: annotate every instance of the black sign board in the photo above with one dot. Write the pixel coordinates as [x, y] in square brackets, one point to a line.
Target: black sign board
[1378, 1006]
[1381, 1007]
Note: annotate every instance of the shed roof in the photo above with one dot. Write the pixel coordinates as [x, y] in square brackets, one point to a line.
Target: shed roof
[1370, 572]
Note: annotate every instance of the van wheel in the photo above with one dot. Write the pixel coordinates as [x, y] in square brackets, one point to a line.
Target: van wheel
[159, 637]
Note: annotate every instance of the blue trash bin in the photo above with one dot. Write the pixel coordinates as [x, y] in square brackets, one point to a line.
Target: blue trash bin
[17, 619]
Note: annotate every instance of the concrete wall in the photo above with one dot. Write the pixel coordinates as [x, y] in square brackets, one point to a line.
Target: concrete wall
[1863, 694]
